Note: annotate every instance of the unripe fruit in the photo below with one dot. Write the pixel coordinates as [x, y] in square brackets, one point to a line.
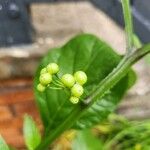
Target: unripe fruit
[77, 90]
[52, 68]
[80, 77]
[40, 87]
[68, 80]
[43, 71]
[74, 100]
[45, 78]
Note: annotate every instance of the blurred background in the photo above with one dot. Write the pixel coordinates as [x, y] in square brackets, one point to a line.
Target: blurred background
[29, 28]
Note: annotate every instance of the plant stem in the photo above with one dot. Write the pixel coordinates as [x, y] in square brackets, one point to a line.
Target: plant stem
[106, 84]
[55, 88]
[128, 24]
[57, 84]
[74, 115]
[118, 73]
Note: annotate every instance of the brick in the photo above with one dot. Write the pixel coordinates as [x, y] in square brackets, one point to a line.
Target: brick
[26, 108]
[15, 122]
[15, 90]
[11, 98]
[5, 113]
[12, 136]
[16, 82]
[30, 109]
[12, 131]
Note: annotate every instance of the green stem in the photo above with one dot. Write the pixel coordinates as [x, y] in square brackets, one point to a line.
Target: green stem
[128, 24]
[132, 129]
[55, 88]
[74, 115]
[115, 139]
[109, 81]
[119, 72]
[58, 83]
[48, 129]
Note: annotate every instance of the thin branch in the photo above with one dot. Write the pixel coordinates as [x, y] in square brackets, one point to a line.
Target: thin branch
[137, 41]
[128, 24]
[119, 72]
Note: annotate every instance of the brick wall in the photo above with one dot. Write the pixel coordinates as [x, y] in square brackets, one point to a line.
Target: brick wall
[16, 99]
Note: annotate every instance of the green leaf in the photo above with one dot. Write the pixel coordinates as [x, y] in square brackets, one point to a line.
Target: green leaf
[3, 145]
[85, 140]
[147, 59]
[103, 107]
[31, 133]
[84, 52]
[12, 148]
[137, 41]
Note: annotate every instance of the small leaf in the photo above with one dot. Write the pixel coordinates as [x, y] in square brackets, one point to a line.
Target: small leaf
[85, 140]
[31, 133]
[12, 148]
[147, 59]
[3, 145]
[137, 41]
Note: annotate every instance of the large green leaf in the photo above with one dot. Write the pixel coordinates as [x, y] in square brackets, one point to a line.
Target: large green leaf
[85, 140]
[88, 53]
[3, 145]
[31, 133]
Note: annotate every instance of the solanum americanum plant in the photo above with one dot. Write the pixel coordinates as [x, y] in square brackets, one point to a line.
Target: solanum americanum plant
[72, 83]
[78, 85]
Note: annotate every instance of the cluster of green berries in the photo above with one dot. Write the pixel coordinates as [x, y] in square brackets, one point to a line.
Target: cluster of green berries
[72, 82]
[75, 84]
[46, 76]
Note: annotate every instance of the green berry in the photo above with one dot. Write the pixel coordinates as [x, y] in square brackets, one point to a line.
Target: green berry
[77, 90]
[68, 80]
[74, 100]
[80, 77]
[52, 68]
[40, 87]
[43, 71]
[45, 78]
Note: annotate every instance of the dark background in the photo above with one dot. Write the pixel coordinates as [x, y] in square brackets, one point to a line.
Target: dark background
[16, 25]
